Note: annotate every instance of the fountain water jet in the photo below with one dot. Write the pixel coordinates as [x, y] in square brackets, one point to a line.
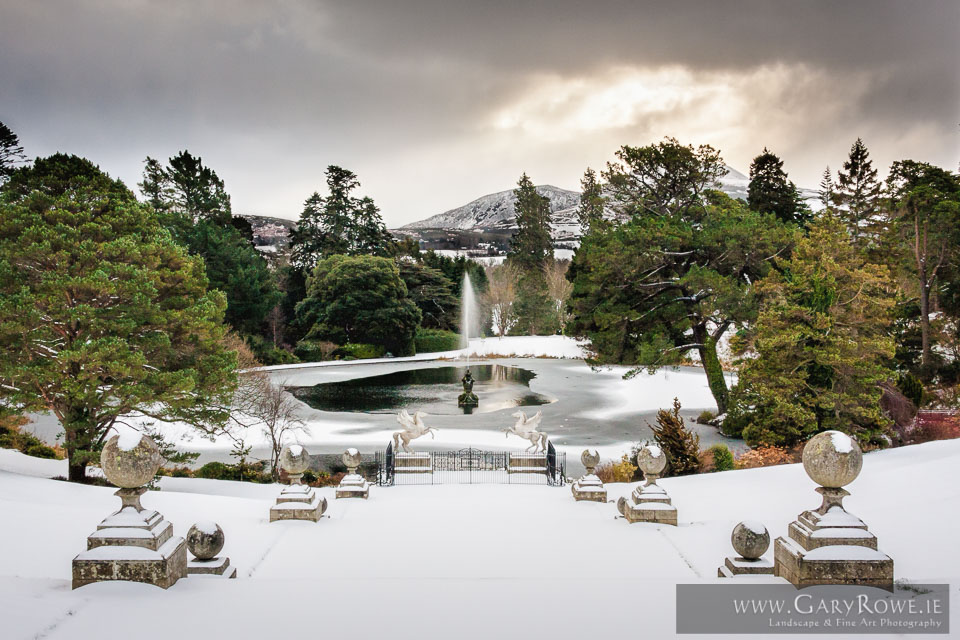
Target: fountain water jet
[468, 326]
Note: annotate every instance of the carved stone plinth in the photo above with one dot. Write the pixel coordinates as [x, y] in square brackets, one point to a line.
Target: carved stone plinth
[298, 502]
[133, 544]
[527, 463]
[737, 566]
[589, 487]
[419, 462]
[353, 485]
[657, 512]
[215, 567]
[650, 502]
[829, 545]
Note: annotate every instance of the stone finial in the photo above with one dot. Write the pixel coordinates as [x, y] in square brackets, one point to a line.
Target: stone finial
[832, 459]
[294, 459]
[205, 540]
[351, 458]
[131, 460]
[750, 539]
[652, 461]
[590, 459]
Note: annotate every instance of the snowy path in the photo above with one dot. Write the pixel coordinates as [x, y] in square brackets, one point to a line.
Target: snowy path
[474, 561]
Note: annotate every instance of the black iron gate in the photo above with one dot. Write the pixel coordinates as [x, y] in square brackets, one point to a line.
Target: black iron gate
[470, 466]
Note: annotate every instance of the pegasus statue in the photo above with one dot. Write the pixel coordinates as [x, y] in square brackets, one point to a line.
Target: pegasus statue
[413, 428]
[526, 428]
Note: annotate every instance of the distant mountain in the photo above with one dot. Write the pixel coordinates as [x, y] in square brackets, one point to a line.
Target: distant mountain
[496, 210]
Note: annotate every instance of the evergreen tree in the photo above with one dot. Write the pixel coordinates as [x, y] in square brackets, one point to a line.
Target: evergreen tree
[102, 315]
[590, 209]
[679, 444]
[924, 215]
[826, 188]
[662, 179]
[360, 300]
[433, 293]
[531, 247]
[196, 191]
[653, 289]
[820, 346]
[11, 153]
[155, 186]
[770, 191]
[857, 196]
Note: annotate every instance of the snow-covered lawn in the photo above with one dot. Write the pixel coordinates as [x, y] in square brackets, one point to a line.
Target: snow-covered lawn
[446, 561]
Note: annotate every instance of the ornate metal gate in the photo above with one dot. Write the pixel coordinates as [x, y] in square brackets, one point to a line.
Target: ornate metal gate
[470, 466]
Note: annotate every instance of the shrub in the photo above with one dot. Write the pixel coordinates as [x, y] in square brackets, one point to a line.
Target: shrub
[11, 437]
[433, 340]
[764, 456]
[358, 351]
[224, 471]
[722, 457]
[935, 426]
[705, 417]
[314, 350]
[681, 446]
[910, 386]
[623, 471]
[268, 353]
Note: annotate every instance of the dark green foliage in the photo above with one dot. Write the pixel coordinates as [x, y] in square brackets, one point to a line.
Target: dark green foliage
[821, 345]
[268, 354]
[360, 351]
[168, 451]
[11, 153]
[433, 293]
[530, 250]
[771, 192]
[433, 340]
[455, 268]
[592, 202]
[826, 188]
[856, 197]
[195, 191]
[360, 299]
[102, 314]
[237, 472]
[314, 350]
[11, 437]
[722, 458]
[339, 223]
[911, 387]
[652, 289]
[679, 444]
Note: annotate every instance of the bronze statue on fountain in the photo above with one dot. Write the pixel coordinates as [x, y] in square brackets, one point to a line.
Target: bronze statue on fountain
[468, 400]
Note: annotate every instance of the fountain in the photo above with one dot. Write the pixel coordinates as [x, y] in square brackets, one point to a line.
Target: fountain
[468, 400]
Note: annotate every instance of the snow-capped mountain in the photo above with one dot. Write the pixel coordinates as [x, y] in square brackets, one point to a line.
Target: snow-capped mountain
[496, 211]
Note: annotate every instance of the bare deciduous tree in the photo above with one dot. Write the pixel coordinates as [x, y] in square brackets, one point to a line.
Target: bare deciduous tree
[274, 409]
[559, 289]
[500, 297]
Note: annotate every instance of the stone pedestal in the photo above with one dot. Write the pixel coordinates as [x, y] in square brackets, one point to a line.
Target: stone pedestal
[353, 484]
[214, 567]
[751, 540]
[589, 486]
[298, 502]
[829, 545]
[650, 502]
[132, 544]
[417, 462]
[527, 463]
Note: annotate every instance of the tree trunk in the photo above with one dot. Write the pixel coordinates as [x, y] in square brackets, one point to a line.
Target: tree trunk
[76, 471]
[925, 326]
[711, 365]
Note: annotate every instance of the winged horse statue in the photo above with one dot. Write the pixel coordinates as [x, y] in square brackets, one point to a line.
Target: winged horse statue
[413, 428]
[526, 428]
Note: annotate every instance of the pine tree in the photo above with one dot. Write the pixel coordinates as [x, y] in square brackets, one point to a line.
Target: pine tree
[196, 191]
[11, 153]
[590, 209]
[102, 315]
[531, 247]
[770, 191]
[821, 345]
[155, 186]
[857, 196]
[826, 188]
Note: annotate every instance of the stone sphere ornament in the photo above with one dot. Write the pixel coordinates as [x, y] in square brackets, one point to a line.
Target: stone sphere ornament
[832, 459]
[294, 459]
[651, 460]
[590, 459]
[351, 458]
[131, 460]
[750, 539]
[205, 540]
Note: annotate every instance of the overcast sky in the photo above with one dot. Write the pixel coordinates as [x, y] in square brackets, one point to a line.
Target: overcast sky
[436, 102]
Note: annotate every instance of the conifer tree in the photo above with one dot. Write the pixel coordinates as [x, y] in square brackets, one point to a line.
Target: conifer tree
[770, 191]
[11, 153]
[826, 188]
[679, 444]
[102, 314]
[857, 196]
[530, 250]
[590, 209]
